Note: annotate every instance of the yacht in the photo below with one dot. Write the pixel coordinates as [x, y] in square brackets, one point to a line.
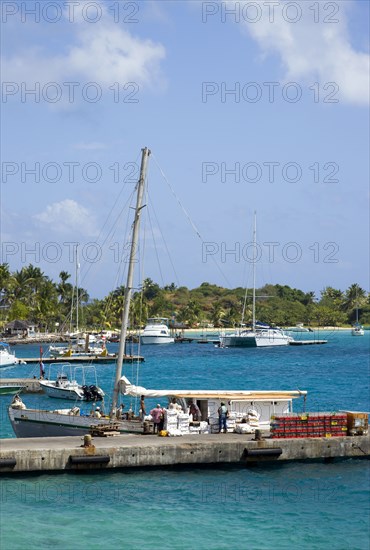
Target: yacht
[7, 358]
[156, 331]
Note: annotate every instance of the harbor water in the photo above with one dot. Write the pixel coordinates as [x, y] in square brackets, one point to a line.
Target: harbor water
[289, 505]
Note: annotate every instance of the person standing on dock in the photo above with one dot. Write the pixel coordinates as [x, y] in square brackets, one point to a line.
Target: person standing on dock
[142, 407]
[157, 415]
[222, 417]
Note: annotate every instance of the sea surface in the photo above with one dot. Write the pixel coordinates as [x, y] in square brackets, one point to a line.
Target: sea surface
[283, 506]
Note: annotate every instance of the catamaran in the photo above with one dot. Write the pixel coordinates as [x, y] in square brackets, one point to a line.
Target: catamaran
[259, 334]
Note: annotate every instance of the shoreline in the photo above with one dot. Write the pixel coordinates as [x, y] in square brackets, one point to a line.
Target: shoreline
[197, 332]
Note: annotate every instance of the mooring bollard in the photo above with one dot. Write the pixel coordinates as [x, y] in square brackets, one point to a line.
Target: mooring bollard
[87, 440]
[258, 435]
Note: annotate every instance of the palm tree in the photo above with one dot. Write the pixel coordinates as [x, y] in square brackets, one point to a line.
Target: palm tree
[217, 313]
[355, 298]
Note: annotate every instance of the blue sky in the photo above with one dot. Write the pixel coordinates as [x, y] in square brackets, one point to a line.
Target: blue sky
[290, 142]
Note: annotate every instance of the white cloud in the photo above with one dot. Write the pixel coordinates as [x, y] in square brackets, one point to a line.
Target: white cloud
[103, 52]
[67, 217]
[312, 51]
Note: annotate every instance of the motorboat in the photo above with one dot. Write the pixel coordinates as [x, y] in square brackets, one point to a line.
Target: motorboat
[156, 331]
[65, 386]
[298, 328]
[10, 389]
[7, 357]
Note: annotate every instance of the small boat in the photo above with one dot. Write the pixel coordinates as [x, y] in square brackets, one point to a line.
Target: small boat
[78, 351]
[156, 331]
[357, 329]
[10, 389]
[298, 328]
[66, 387]
[7, 358]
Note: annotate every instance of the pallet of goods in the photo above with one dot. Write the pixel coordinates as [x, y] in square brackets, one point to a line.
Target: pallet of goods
[309, 425]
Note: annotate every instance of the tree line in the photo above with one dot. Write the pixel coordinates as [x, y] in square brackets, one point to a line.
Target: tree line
[30, 295]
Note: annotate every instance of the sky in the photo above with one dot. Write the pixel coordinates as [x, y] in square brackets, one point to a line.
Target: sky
[246, 107]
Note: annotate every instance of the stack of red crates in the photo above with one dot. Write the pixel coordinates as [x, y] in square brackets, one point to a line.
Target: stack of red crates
[309, 425]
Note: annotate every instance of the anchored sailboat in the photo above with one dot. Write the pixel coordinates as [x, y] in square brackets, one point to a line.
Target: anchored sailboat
[260, 334]
[357, 329]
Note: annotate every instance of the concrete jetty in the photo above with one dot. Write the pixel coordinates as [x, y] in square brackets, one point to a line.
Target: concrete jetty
[138, 451]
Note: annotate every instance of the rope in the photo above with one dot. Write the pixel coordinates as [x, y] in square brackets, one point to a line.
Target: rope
[189, 218]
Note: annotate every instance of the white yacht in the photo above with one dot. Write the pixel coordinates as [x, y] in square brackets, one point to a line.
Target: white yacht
[156, 331]
[7, 358]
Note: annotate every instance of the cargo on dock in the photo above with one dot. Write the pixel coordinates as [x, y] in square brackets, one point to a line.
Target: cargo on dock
[105, 453]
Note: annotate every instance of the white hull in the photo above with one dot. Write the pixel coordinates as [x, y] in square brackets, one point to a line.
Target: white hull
[156, 331]
[358, 332]
[38, 423]
[8, 361]
[73, 394]
[265, 338]
[147, 339]
[6, 357]
[65, 352]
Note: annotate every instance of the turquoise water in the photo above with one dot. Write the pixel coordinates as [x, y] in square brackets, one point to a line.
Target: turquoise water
[308, 505]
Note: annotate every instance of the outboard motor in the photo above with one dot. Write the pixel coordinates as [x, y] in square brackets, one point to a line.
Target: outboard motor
[96, 393]
[87, 393]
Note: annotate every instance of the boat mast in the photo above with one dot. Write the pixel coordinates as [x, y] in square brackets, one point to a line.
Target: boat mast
[254, 274]
[77, 298]
[130, 277]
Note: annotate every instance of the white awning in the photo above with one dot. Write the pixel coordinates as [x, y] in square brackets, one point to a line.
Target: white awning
[134, 391]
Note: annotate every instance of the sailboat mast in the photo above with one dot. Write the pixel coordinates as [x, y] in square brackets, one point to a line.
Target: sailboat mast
[77, 298]
[254, 272]
[130, 278]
